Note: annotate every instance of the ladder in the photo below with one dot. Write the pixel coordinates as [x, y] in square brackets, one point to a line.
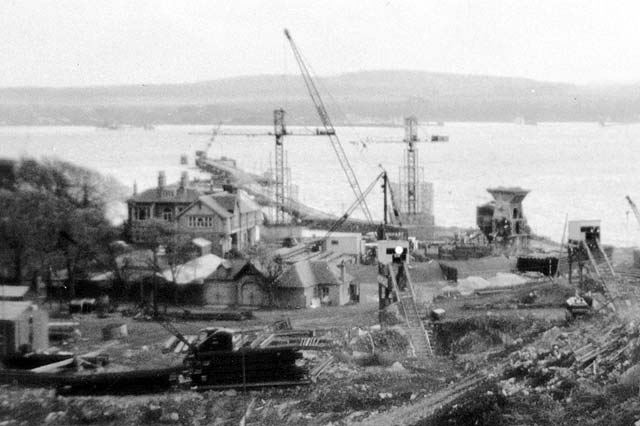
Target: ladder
[419, 337]
[604, 271]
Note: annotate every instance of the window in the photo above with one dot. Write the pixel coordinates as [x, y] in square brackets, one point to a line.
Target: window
[167, 214]
[334, 242]
[200, 221]
[142, 213]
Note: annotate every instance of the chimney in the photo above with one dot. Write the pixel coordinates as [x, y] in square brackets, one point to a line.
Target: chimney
[162, 181]
[184, 180]
[135, 188]
[227, 187]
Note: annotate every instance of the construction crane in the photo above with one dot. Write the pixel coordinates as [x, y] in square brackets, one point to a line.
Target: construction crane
[360, 200]
[315, 245]
[279, 131]
[634, 208]
[329, 130]
[411, 137]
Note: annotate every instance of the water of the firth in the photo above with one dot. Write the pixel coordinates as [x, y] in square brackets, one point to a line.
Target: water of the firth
[580, 169]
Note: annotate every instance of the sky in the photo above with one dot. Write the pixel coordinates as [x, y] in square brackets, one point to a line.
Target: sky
[106, 42]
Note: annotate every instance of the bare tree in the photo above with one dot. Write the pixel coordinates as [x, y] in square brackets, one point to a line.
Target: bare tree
[170, 249]
[271, 268]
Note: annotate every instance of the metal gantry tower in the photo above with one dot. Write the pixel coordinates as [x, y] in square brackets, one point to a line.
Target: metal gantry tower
[411, 170]
[279, 130]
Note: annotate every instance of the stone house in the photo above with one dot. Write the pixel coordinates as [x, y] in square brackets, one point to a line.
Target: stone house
[231, 220]
[313, 283]
[212, 280]
[164, 202]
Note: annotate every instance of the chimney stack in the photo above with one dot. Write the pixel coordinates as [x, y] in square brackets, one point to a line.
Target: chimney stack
[184, 180]
[162, 182]
[162, 179]
[135, 188]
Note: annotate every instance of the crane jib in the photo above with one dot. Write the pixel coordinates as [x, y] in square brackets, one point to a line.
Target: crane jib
[329, 129]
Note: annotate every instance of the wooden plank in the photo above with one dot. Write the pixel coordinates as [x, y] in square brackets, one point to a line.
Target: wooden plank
[53, 366]
[98, 351]
[169, 344]
[267, 341]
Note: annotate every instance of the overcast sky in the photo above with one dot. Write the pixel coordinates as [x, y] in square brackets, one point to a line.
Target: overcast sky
[91, 42]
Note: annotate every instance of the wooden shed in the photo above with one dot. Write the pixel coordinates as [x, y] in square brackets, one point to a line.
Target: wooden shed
[23, 328]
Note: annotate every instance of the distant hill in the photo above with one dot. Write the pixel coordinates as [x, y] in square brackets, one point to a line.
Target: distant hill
[368, 97]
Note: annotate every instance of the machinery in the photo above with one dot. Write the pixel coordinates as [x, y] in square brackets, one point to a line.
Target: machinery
[329, 130]
[634, 209]
[390, 215]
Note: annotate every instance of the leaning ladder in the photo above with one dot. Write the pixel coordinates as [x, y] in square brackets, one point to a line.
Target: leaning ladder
[605, 273]
[419, 337]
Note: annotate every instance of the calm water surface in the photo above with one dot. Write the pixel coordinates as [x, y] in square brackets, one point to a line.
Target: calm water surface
[580, 169]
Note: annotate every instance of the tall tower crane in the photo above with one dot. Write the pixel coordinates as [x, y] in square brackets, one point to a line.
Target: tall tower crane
[279, 132]
[329, 130]
[411, 137]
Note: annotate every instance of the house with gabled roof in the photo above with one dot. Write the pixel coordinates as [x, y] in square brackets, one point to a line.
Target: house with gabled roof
[165, 202]
[312, 283]
[212, 280]
[229, 220]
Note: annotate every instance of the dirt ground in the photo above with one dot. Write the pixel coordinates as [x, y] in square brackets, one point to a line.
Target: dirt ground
[365, 384]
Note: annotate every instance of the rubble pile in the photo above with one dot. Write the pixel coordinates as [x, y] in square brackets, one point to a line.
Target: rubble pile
[560, 360]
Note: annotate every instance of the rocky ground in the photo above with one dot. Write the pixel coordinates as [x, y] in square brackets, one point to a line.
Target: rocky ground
[503, 359]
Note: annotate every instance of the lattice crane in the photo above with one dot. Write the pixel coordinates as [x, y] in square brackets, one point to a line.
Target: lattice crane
[634, 208]
[279, 132]
[329, 130]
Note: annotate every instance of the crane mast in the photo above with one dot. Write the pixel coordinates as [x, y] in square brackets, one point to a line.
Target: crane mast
[328, 127]
[634, 208]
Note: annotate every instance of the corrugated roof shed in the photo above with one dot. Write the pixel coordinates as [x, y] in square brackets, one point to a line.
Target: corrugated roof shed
[194, 271]
[13, 291]
[307, 273]
[10, 311]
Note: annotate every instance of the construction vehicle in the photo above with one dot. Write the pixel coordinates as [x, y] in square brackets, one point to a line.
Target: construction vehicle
[577, 306]
[329, 130]
[221, 357]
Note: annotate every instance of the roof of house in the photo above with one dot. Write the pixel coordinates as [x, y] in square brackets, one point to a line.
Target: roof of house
[13, 291]
[226, 200]
[194, 271]
[12, 310]
[214, 204]
[307, 273]
[230, 269]
[140, 259]
[170, 194]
